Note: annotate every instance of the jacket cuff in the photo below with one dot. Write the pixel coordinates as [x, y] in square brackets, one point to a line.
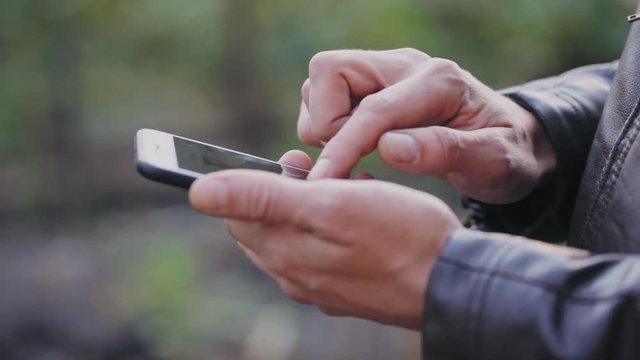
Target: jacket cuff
[480, 303]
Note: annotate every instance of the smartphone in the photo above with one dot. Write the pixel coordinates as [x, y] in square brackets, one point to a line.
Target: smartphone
[179, 161]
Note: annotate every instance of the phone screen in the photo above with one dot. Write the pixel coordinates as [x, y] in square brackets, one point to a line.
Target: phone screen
[205, 159]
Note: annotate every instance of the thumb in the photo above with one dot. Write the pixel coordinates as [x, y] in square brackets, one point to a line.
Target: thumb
[431, 150]
[248, 195]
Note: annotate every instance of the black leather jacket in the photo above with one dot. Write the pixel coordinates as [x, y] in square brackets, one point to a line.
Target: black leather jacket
[495, 296]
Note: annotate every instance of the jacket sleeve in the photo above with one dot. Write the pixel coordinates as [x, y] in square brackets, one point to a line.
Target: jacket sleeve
[497, 297]
[569, 107]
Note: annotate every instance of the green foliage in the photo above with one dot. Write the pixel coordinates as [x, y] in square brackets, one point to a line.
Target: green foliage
[141, 59]
[97, 70]
[158, 291]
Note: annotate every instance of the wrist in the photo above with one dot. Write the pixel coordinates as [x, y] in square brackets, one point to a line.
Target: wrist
[543, 151]
[540, 147]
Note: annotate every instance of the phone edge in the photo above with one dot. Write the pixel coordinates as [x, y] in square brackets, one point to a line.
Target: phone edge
[164, 176]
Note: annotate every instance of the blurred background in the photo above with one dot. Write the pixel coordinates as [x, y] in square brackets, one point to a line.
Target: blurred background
[98, 263]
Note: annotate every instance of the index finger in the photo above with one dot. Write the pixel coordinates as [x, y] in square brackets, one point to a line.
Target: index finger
[427, 98]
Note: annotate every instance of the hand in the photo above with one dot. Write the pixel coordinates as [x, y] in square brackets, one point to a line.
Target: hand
[353, 248]
[424, 115]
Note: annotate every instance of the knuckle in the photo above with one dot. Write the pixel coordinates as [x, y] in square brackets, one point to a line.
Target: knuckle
[451, 146]
[306, 136]
[446, 78]
[505, 161]
[412, 54]
[451, 74]
[322, 131]
[322, 62]
[304, 129]
[446, 66]
[305, 88]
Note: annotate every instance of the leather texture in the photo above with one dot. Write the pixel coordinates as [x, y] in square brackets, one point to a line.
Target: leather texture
[606, 203]
[497, 296]
[493, 296]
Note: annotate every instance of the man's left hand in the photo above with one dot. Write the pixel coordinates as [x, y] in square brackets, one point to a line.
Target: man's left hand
[352, 248]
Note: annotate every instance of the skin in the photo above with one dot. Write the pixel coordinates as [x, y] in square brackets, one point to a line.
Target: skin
[367, 248]
[424, 115]
[361, 248]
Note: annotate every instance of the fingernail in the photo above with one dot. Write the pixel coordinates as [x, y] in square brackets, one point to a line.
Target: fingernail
[210, 195]
[403, 147]
[320, 170]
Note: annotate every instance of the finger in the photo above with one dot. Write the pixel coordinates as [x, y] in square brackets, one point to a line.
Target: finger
[245, 232]
[294, 291]
[249, 195]
[264, 241]
[305, 133]
[292, 163]
[306, 90]
[286, 251]
[296, 158]
[332, 311]
[438, 150]
[339, 77]
[431, 97]
[365, 176]
[255, 259]
[332, 86]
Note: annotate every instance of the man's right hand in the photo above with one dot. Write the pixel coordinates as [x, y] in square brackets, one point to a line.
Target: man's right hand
[424, 115]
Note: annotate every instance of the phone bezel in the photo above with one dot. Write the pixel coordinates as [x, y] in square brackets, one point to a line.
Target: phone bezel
[157, 148]
[157, 159]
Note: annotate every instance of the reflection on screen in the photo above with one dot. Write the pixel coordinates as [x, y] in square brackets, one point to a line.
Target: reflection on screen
[205, 159]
